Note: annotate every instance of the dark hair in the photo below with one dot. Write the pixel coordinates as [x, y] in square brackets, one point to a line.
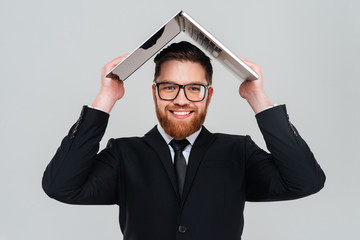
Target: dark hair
[184, 51]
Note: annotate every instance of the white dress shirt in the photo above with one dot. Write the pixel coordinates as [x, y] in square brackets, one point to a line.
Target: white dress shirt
[186, 151]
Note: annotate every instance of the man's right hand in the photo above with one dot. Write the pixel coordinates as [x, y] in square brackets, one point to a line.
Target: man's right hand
[112, 88]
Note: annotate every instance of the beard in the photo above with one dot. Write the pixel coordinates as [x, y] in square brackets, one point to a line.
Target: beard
[180, 129]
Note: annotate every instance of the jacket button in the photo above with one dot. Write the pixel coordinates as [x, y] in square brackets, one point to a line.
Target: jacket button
[182, 229]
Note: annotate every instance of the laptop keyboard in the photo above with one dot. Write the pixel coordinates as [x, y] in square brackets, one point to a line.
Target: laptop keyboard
[204, 41]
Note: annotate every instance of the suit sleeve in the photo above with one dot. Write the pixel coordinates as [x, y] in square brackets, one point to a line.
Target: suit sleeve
[290, 171]
[77, 174]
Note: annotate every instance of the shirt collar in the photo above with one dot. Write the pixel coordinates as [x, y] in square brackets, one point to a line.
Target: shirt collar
[168, 138]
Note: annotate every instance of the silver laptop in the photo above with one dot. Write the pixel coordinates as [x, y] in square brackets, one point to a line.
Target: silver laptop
[182, 22]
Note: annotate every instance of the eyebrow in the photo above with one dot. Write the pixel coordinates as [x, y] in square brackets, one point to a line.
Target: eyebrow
[197, 82]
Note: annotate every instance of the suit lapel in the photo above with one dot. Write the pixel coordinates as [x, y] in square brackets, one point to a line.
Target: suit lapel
[201, 145]
[158, 144]
[154, 139]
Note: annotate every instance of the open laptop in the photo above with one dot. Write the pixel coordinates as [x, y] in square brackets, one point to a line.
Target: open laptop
[182, 22]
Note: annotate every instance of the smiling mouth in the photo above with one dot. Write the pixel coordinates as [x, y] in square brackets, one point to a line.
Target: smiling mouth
[181, 113]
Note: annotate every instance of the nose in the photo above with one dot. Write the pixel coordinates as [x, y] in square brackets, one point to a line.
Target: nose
[181, 98]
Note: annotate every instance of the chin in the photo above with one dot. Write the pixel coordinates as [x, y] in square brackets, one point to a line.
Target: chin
[181, 128]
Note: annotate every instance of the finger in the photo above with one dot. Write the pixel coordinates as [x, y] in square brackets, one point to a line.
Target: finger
[248, 62]
[113, 76]
[257, 68]
[111, 65]
[117, 60]
[245, 60]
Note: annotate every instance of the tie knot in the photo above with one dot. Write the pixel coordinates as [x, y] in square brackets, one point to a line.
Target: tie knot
[179, 145]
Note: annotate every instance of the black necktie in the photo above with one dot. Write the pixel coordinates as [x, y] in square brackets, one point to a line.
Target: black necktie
[179, 162]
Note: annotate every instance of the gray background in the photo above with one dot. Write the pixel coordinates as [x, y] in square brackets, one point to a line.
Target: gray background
[51, 53]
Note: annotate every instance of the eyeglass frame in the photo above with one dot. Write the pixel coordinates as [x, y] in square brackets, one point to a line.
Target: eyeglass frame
[181, 87]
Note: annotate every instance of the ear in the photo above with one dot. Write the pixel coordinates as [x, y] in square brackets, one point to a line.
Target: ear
[154, 92]
[210, 93]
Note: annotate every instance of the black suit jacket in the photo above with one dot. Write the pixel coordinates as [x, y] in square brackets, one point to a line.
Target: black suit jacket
[223, 172]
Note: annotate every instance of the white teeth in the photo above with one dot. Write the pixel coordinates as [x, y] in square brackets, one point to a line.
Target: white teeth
[181, 113]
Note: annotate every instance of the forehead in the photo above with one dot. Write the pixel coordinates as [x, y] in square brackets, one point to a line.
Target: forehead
[182, 72]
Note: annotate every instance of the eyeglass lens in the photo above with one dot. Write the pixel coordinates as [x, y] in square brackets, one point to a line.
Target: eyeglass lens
[193, 92]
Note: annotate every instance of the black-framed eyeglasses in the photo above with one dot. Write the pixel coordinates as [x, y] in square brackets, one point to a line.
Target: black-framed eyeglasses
[193, 92]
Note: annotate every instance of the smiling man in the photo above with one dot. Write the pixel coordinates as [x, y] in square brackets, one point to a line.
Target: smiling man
[181, 113]
[181, 181]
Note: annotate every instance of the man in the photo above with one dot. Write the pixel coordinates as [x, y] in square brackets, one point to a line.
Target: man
[196, 191]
